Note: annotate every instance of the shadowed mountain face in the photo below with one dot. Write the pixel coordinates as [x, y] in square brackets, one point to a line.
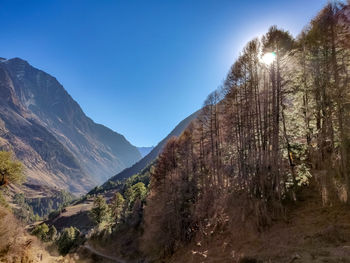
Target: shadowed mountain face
[145, 150]
[49, 132]
[149, 158]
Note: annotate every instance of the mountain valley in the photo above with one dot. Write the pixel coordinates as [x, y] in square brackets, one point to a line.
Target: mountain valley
[259, 174]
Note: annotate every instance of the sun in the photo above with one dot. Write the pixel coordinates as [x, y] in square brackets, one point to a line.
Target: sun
[268, 58]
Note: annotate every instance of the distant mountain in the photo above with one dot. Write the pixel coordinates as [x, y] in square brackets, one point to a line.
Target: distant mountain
[48, 131]
[137, 167]
[145, 150]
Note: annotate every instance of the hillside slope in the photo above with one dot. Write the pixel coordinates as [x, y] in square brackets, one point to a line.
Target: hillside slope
[77, 214]
[149, 158]
[16, 245]
[310, 232]
[145, 150]
[59, 145]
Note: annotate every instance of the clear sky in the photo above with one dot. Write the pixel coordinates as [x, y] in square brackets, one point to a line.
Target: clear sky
[140, 67]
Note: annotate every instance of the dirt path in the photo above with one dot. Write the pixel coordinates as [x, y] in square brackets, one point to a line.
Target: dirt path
[99, 253]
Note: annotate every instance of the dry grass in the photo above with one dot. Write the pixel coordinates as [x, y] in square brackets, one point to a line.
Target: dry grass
[16, 245]
[76, 216]
[311, 232]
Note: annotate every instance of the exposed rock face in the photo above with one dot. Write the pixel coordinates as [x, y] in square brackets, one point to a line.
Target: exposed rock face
[49, 132]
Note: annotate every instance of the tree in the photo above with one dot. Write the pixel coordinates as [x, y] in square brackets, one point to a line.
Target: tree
[168, 216]
[117, 206]
[139, 191]
[324, 48]
[11, 171]
[260, 139]
[136, 192]
[41, 231]
[69, 238]
[100, 213]
[52, 233]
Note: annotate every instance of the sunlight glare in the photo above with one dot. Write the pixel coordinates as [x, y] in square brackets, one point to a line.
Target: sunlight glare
[268, 58]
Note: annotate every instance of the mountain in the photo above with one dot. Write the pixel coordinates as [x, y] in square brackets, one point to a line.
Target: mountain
[77, 214]
[145, 150]
[137, 167]
[48, 131]
[251, 179]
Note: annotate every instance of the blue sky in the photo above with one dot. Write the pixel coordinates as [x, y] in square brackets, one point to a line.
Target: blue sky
[140, 67]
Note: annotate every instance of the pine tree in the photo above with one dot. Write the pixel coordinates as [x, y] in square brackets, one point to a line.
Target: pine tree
[100, 213]
[117, 206]
[11, 171]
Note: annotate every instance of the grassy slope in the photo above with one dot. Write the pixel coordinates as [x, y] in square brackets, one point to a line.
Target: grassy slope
[16, 245]
[75, 215]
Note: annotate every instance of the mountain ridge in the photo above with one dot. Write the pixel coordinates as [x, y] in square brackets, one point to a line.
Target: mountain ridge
[34, 102]
[150, 157]
[145, 150]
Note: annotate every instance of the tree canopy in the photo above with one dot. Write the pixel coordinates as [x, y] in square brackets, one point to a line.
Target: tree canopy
[274, 127]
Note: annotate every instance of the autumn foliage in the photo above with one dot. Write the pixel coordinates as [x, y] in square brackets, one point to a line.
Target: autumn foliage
[271, 129]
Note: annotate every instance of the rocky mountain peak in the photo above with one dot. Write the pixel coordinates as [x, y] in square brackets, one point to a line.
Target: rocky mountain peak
[43, 120]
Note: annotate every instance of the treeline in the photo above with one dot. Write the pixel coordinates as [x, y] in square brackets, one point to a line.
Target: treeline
[279, 122]
[123, 184]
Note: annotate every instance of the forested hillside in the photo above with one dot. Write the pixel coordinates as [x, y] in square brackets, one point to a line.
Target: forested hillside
[153, 154]
[262, 174]
[279, 124]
